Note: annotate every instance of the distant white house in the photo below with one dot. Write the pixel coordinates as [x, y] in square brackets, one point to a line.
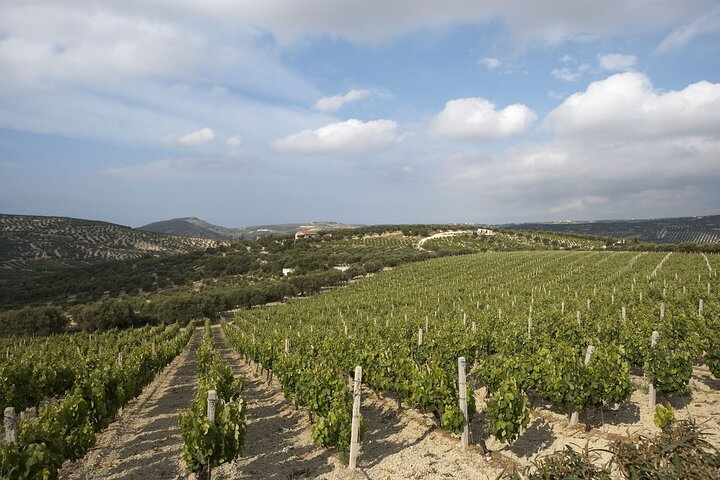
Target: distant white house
[300, 235]
[342, 268]
[287, 271]
[485, 231]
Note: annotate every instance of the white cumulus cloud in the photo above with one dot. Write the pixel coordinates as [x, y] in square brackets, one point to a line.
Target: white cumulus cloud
[193, 139]
[478, 118]
[336, 102]
[351, 136]
[617, 62]
[626, 105]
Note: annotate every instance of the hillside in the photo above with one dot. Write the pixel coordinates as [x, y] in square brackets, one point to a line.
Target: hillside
[42, 243]
[191, 227]
[196, 227]
[662, 230]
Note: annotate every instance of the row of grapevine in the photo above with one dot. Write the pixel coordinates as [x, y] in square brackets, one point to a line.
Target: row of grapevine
[217, 435]
[36, 369]
[507, 242]
[310, 377]
[108, 376]
[525, 320]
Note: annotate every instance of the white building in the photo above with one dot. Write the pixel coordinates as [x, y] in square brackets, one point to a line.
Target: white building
[299, 235]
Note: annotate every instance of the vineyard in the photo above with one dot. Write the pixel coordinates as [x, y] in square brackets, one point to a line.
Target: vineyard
[510, 241]
[76, 384]
[384, 241]
[558, 348]
[561, 335]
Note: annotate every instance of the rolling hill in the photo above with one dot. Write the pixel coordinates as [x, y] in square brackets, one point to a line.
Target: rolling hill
[45, 243]
[196, 227]
[191, 227]
[662, 230]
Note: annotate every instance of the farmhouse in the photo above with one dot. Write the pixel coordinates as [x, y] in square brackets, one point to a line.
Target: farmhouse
[299, 235]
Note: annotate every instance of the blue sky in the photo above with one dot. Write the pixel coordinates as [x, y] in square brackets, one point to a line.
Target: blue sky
[243, 112]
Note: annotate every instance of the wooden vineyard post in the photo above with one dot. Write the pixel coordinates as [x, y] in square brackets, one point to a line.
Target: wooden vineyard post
[662, 310]
[355, 432]
[622, 311]
[10, 424]
[530, 321]
[700, 307]
[211, 401]
[575, 417]
[462, 388]
[287, 346]
[420, 337]
[651, 387]
[120, 359]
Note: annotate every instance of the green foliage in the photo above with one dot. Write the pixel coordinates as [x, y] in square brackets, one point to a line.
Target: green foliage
[608, 376]
[565, 464]
[32, 321]
[508, 411]
[335, 428]
[26, 462]
[712, 355]
[477, 307]
[105, 315]
[97, 385]
[212, 443]
[679, 451]
[664, 416]
[669, 371]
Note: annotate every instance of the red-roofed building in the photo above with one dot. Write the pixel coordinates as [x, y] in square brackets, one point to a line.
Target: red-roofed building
[305, 235]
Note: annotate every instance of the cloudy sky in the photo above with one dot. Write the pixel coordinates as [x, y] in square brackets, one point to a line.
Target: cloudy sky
[376, 111]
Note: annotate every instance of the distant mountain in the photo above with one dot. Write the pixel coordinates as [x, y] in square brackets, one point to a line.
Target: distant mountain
[195, 227]
[192, 227]
[45, 243]
[661, 230]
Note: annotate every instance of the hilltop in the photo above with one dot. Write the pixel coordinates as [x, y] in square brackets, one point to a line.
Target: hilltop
[191, 227]
[196, 227]
[45, 243]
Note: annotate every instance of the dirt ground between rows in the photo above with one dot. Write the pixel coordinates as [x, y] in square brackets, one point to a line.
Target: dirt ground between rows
[145, 442]
[398, 444]
[406, 444]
